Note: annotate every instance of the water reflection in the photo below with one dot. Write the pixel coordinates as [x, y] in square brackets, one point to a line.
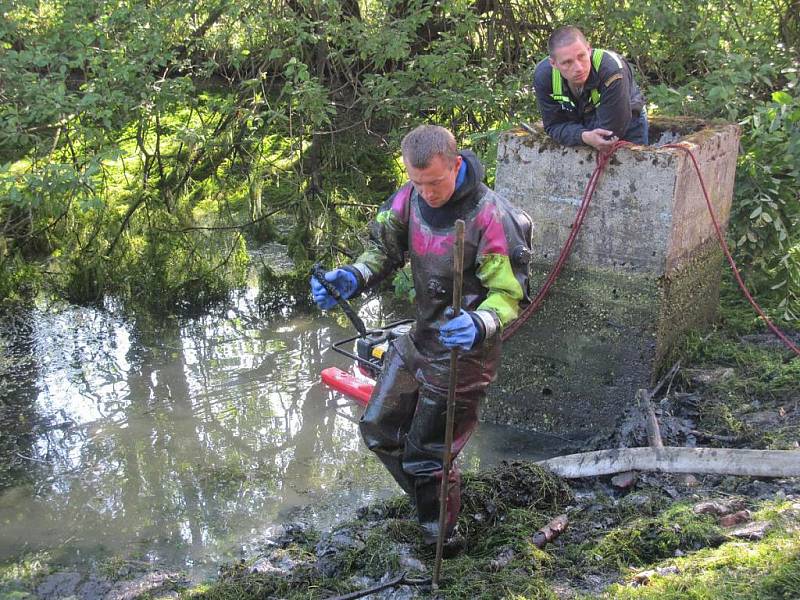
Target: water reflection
[180, 441]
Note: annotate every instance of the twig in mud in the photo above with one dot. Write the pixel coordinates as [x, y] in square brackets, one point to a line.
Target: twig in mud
[669, 375]
[400, 580]
[714, 436]
[650, 420]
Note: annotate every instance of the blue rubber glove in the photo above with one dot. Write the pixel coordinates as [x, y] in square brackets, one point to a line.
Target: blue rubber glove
[458, 332]
[344, 282]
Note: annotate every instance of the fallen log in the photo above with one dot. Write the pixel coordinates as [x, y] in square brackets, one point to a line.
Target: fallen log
[720, 461]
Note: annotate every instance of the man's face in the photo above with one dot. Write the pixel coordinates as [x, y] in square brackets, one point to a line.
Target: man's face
[436, 182]
[574, 61]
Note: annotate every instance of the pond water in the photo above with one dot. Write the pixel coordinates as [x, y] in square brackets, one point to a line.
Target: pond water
[183, 442]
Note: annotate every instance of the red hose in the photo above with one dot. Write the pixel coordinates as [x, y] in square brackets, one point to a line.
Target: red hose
[602, 161]
[783, 337]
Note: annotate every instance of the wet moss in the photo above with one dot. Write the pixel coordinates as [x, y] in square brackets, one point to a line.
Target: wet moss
[757, 401]
[467, 579]
[645, 540]
[18, 580]
[768, 569]
[501, 510]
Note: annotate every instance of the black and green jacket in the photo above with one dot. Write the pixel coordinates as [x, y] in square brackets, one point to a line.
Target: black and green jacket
[610, 99]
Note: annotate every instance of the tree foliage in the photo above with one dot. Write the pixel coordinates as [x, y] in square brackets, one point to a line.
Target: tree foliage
[143, 144]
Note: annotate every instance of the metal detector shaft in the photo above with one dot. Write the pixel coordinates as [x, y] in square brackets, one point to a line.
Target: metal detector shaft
[319, 274]
[458, 280]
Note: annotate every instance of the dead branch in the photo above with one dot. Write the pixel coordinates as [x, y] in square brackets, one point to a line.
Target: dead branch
[720, 461]
[550, 531]
[650, 420]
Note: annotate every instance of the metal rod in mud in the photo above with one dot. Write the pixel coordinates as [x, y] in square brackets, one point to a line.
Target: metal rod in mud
[458, 280]
[319, 274]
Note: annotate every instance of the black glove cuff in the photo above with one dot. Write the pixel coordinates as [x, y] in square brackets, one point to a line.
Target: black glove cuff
[480, 330]
[360, 283]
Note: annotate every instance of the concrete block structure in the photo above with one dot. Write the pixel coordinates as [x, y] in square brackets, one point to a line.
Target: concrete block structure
[645, 268]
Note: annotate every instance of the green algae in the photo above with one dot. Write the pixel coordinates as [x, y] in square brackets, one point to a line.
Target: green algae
[689, 299]
[762, 384]
[768, 569]
[641, 541]
[568, 368]
[501, 510]
[18, 580]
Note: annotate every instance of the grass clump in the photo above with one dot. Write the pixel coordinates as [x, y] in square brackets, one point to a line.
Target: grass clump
[644, 540]
[766, 569]
[18, 580]
[468, 580]
[756, 402]
[489, 498]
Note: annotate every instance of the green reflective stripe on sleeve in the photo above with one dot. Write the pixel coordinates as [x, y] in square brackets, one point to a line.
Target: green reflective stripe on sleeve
[558, 88]
[556, 81]
[505, 292]
[384, 216]
[597, 58]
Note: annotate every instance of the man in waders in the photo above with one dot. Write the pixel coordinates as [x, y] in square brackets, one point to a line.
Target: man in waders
[404, 423]
[588, 96]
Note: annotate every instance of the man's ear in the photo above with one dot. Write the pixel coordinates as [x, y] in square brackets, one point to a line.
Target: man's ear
[552, 62]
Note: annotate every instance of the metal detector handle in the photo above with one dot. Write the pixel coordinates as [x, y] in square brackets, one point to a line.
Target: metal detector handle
[319, 274]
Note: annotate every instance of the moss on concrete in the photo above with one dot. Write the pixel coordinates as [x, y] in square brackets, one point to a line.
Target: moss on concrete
[569, 368]
[689, 300]
[647, 275]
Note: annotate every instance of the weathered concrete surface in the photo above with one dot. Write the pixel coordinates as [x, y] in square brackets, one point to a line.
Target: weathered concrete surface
[645, 268]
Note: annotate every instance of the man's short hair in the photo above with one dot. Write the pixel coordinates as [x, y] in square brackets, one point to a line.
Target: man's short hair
[421, 144]
[564, 36]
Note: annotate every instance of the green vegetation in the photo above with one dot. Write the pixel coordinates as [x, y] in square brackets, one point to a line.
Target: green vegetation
[674, 553]
[641, 541]
[18, 579]
[144, 147]
[767, 569]
[752, 402]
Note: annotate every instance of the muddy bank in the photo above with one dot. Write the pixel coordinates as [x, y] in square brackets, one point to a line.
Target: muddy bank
[638, 535]
[626, 537]
[634, 536]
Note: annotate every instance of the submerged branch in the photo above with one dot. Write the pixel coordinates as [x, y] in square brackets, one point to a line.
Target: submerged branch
[400, 580]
